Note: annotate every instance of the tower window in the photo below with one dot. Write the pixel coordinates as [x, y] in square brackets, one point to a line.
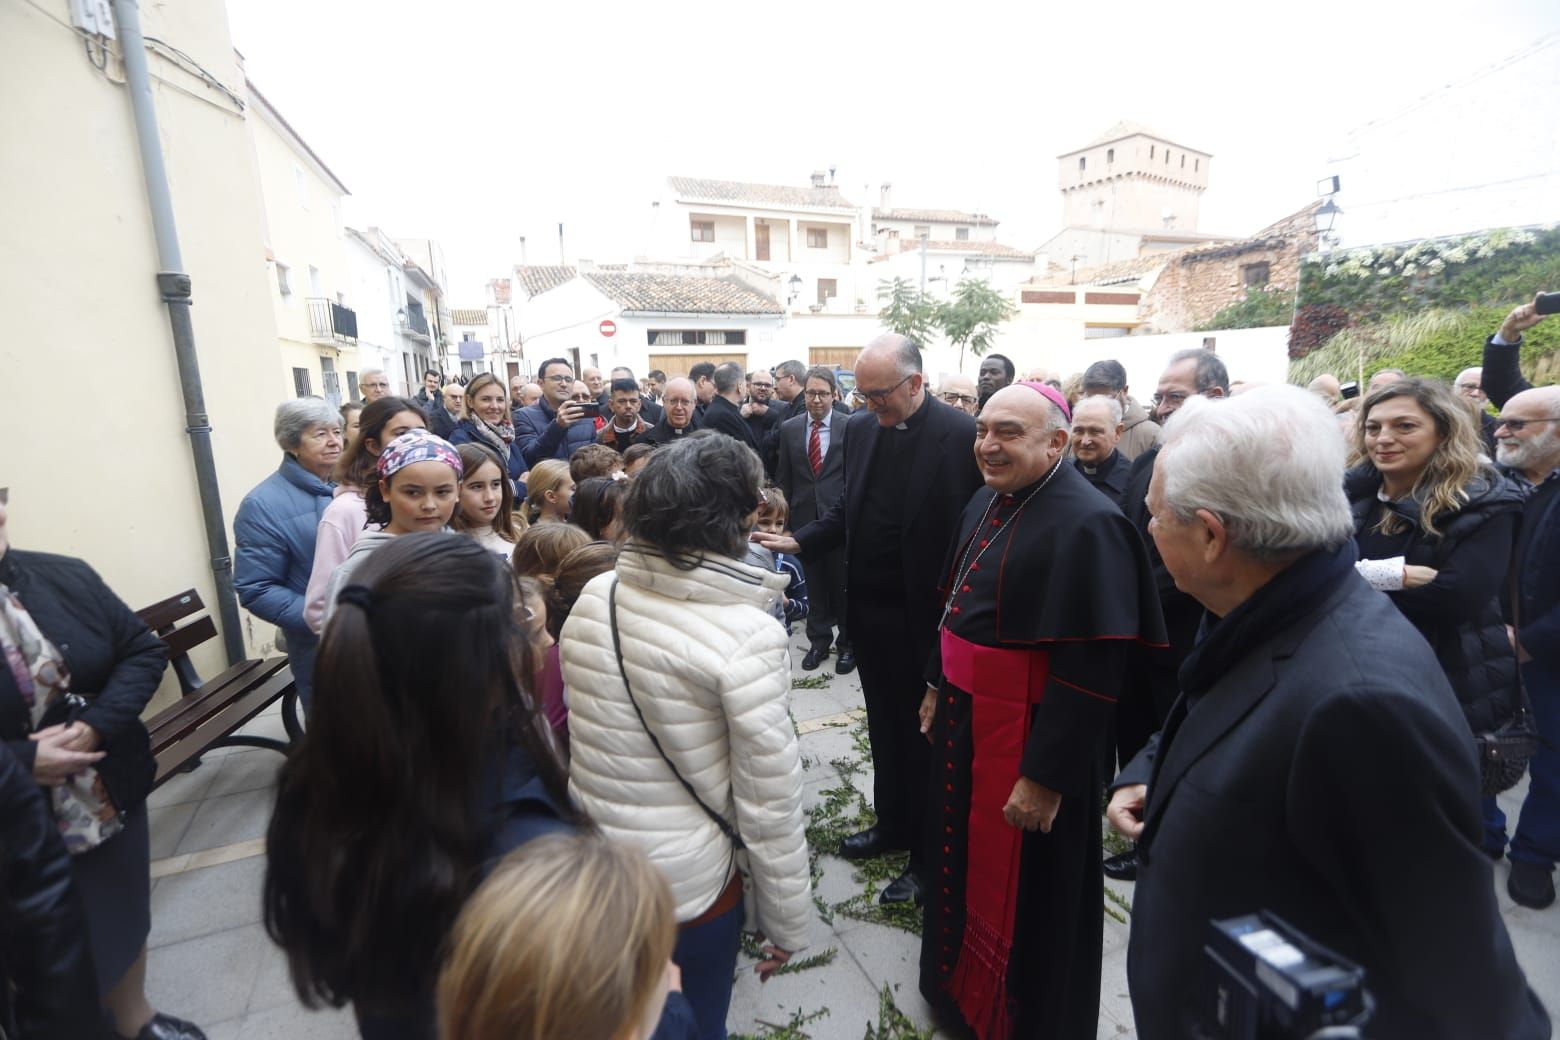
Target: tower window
[1150, 151]
[1082, 163]
[1110, 155]
[1196, 165]
[1183, 160]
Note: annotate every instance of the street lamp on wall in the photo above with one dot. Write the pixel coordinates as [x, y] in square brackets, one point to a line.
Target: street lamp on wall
[400, 318]
[795, 285]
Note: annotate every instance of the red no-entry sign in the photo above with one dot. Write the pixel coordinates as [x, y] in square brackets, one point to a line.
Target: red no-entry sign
[609, 328]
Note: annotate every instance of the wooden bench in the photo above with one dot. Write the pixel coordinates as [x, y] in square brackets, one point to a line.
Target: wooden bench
[211, 710]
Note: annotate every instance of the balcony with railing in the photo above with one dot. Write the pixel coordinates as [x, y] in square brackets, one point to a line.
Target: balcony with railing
[413, 322]
[330, 322]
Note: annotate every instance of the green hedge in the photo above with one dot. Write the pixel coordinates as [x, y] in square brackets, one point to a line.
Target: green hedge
[1260, 308]
[1437, 343]
[1496, 268]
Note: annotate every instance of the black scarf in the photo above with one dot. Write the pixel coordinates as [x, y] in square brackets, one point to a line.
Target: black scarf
[1294, 592]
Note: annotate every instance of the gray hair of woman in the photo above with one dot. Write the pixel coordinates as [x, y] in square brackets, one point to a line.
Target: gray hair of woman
[694, 498]
[297, 417]
[1268, 463]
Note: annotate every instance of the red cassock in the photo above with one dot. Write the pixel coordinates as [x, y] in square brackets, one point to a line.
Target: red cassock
[1049, 596]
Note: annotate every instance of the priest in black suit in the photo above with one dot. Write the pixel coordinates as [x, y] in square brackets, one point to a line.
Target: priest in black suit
[724, 411]
[810, 469]
[1049, 594]
[909, 471]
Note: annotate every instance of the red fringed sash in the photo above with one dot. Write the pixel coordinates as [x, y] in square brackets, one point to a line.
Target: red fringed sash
[1004, 686]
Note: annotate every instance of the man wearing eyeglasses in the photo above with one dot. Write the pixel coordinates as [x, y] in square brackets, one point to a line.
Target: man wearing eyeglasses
[959, 391]
[680, 401]
[810, 469]
[554, 426]
[909, 470]
[1527, 435]
[373, 384]
[1141, 711]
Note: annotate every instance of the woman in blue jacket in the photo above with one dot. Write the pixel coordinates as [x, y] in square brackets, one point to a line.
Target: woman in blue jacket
[488, 423]
[276, 526]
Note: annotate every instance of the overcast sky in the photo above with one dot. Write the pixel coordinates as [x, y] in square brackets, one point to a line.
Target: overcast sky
[476, 122]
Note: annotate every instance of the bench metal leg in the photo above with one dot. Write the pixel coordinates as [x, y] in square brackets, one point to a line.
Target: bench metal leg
[290, 715]
[244, 740]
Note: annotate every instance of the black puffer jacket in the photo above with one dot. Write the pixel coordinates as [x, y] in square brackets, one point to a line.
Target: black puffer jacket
[1458, 613]
[48, 989]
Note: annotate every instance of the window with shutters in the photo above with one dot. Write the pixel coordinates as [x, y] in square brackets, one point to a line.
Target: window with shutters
[703, 230]
[817, 238]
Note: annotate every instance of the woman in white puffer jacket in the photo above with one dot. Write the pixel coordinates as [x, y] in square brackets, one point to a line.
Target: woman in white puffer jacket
[709, 670]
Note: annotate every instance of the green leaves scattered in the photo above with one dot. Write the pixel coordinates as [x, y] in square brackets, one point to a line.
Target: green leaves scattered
[816, 681]
[893, 1024]
[791, 1030]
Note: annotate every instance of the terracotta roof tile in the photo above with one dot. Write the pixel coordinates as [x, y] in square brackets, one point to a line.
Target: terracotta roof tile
[469, 315]
[934, 216]
[537, 280]
[674, 294]
[699, 189]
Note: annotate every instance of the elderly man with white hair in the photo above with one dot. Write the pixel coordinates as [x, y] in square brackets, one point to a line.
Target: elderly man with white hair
[374, 384]
[275, 527]
[959, 391]
[1048, 589]
[1317, 765]
[1096, 436]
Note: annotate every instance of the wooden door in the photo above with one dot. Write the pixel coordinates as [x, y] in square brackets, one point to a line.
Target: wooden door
[833, 357]
[678, 364]
[761, 241]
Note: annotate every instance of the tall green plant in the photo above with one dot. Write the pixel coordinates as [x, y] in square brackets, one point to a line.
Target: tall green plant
[906, 310]
[972, 317]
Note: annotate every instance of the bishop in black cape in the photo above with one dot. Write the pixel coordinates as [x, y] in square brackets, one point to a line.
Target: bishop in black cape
[1049, 597]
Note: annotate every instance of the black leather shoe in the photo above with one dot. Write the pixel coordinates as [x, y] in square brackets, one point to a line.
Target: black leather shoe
[814, 658]
[166, 1027]
[1123, 867]
[846, 663]
[865, 844]
[903, 889]
[1530, 885]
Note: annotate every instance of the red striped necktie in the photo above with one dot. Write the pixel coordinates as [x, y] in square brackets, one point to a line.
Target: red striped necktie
[815, 448]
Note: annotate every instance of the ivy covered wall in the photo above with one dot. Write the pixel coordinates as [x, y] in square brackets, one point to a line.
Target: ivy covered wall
[1426, 308]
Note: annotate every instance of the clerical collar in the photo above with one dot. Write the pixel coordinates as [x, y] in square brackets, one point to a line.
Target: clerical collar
[629, 429]
[916, 418]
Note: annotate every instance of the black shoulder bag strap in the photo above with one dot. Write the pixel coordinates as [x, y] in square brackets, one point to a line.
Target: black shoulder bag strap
[617, 648]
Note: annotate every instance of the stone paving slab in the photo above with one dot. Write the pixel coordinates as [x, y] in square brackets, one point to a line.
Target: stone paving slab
[211, 960]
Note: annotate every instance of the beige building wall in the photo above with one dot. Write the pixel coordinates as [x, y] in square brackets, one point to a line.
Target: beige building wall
[99, 466]
[304, 238]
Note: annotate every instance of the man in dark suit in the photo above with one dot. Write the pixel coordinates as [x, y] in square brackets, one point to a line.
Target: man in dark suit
[909, 472]
[810, 470]
[1317, 764]
[723, 413]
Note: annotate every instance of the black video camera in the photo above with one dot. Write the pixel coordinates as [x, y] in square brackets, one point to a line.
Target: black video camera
[1267, 981]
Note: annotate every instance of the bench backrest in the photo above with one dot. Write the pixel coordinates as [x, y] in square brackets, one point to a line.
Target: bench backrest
[164, 619]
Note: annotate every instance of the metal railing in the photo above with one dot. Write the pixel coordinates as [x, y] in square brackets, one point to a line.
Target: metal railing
[329, 320]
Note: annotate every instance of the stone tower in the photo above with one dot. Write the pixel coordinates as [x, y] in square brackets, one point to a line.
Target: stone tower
[1132, 180]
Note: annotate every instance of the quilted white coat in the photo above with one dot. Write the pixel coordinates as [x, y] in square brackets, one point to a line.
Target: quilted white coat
[711, 672]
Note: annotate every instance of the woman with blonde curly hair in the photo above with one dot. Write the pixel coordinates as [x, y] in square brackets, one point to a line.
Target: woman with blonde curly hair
[1435, 525]
[569, 939]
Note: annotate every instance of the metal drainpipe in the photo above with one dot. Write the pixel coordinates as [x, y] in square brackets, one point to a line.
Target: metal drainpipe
[174, 285]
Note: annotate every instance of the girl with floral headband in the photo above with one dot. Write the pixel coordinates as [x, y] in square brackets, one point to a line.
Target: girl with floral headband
[418, 489]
